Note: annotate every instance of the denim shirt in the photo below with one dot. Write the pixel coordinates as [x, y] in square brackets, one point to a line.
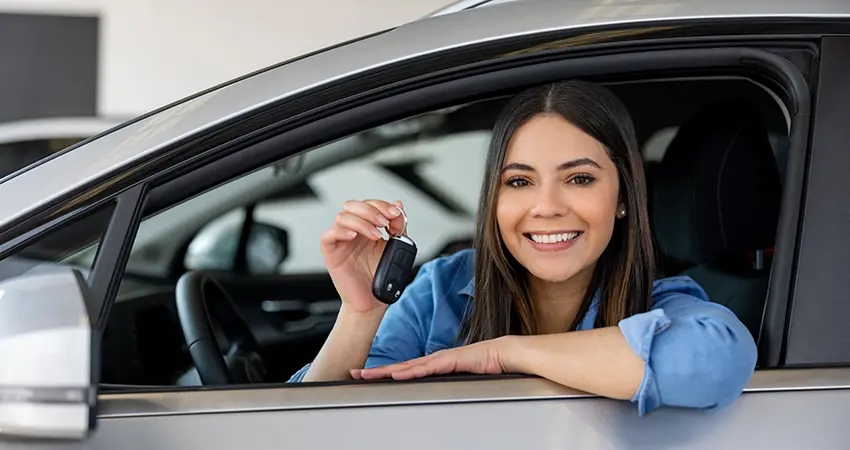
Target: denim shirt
[697, 354]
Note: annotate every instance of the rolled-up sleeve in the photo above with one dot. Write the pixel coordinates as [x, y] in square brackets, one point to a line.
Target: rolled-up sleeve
[697, 353]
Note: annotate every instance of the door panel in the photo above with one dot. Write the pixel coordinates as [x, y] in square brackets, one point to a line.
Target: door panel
[774, 420]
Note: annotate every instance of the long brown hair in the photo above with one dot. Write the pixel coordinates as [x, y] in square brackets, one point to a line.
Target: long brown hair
[624, 272]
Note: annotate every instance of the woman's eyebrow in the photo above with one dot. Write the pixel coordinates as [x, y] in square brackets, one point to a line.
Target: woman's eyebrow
[517, 166]
[563, 166]
[578, 162]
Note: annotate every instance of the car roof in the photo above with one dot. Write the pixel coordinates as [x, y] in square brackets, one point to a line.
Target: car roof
[55, 128]
[463, 5]
[52, 178]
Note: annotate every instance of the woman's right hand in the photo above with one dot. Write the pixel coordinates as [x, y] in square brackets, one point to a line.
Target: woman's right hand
[353, 246]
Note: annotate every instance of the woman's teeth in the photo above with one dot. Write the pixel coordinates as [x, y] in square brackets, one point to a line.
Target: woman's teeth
[553, 238]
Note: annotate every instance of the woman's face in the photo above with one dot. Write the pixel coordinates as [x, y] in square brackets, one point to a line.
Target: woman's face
[557, 199]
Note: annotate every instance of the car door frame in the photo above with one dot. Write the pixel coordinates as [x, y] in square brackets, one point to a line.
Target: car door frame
[425, 97]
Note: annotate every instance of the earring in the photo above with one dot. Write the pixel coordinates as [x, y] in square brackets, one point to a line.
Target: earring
[622, 212]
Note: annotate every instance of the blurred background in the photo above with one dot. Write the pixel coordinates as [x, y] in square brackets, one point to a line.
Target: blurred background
[72, 68]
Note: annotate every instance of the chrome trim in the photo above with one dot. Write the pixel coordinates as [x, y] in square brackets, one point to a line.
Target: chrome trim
[800, 379]
[305, 396]
[123, 147]
[47, 395]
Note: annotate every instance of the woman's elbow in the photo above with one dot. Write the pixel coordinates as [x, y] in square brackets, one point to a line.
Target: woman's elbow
[707, 365]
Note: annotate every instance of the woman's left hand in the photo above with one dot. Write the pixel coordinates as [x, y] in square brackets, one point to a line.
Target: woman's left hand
[484, 357]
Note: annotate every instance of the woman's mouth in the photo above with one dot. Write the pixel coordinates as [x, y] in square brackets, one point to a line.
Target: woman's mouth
[556, 241]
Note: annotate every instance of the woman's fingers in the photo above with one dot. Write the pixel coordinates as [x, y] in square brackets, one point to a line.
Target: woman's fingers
[337, 234]
[392, 212]
[397, 224]
[377, 212]
[364, 218]
[393, 369]
[348, 221]
[422, 371]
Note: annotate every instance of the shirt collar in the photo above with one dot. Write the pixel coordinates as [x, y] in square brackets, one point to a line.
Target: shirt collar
[586, 323]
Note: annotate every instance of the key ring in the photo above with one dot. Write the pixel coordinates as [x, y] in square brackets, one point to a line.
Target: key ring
[404, 229]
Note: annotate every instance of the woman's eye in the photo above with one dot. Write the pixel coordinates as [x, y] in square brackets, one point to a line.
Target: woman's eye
[582, 179]
[516, 182]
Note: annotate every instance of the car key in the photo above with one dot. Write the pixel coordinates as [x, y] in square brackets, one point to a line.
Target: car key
[395, 269]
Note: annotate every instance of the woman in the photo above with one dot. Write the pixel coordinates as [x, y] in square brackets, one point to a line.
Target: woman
[560, 281]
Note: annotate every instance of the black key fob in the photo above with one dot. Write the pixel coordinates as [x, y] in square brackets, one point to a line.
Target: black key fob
[395, 269]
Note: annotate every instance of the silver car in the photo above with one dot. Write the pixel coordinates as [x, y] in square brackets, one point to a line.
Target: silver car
[161, 281]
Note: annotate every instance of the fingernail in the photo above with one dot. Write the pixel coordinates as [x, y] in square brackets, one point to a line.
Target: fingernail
[394, 211]
[383, 220]
[377, 233]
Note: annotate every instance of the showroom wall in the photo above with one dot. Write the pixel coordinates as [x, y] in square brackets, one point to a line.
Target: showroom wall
[151, 52]
[49, 66]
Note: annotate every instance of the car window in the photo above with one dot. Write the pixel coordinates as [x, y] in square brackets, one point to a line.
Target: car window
[434, 163]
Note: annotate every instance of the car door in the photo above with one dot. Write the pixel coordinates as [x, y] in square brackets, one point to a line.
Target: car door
[515, 411]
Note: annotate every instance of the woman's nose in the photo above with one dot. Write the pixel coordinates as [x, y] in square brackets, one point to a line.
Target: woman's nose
[550, 202]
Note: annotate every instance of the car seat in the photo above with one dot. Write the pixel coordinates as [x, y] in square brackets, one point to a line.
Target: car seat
[715, 206]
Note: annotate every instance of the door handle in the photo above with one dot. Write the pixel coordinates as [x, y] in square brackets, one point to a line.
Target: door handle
[320, 307]
[276, 306]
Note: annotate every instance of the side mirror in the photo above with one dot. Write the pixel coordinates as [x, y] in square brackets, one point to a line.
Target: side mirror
[267, 248]
[216, 248]
[47, 378]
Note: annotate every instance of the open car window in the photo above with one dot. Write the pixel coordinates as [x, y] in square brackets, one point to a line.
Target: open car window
[434, 163]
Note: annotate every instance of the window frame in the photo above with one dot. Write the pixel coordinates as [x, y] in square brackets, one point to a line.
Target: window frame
[386, 109]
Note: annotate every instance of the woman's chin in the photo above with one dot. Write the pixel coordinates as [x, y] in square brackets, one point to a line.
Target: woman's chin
[552, 272]
[553, 276]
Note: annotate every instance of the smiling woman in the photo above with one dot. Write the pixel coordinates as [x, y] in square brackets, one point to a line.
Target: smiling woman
[559, 283]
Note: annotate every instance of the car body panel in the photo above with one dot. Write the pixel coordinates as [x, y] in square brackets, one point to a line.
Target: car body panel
[783, 422]
[451, 390]
[461, 5]
[496, 414]
[134, 141]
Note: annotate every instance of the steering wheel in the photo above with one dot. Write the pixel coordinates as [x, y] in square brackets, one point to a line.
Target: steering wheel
[218, 337]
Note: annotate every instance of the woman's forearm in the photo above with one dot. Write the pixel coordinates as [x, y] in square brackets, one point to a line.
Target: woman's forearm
[347, 345]
[597, 361]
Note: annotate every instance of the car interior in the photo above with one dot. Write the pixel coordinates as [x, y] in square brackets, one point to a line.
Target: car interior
[715, 150]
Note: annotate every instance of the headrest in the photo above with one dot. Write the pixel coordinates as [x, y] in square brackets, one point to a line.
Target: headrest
[717, 190]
